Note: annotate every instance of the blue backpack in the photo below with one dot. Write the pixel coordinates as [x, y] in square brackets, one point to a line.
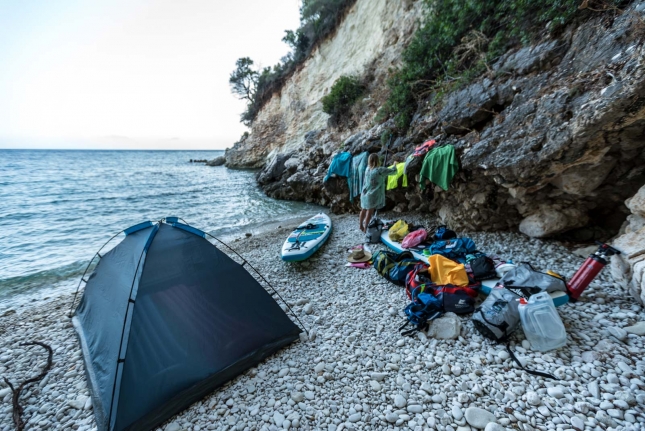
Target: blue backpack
[442, 232]
[419, 312]
[454, 249]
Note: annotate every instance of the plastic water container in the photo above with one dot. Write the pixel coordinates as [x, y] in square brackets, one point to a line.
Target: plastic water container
[541, 323]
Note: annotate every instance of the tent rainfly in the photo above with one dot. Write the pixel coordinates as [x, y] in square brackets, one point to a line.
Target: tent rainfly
[165, 318]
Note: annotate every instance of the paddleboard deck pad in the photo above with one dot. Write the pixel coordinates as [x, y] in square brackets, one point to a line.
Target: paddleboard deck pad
[307, 238]
[559, 298]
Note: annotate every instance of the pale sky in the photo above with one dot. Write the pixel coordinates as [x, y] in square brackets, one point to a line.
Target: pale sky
[150, 70]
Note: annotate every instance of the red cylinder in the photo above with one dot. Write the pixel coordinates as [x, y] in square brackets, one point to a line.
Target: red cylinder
[585, 274]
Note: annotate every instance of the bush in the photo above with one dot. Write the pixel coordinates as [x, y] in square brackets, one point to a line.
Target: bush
[342, 95]
[459, 38]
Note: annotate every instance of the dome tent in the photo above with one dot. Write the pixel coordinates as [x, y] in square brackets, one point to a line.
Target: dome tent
[165, 318]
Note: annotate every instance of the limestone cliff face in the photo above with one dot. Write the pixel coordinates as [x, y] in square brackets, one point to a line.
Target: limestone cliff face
[552, 140]
[369, 40]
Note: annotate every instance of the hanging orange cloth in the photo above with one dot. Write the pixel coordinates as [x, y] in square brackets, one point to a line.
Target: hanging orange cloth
[445, 271]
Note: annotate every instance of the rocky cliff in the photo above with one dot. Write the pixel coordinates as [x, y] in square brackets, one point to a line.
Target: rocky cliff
[368, 42]
[549, 141]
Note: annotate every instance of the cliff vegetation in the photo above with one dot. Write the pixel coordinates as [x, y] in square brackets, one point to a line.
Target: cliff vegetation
[461, 38]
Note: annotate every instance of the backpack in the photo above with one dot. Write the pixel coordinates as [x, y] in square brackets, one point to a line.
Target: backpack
[414, 238]
[483, 268]
[424, 308]
[392, 266]
[525, 281]
[453, 248]
[399, 272]
[374, 228]
[418, 280]
[442, 232]
[498, 316]
[398, 231]
[458, 299]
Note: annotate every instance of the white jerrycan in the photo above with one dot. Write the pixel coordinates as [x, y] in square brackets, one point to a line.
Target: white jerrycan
[541, 323]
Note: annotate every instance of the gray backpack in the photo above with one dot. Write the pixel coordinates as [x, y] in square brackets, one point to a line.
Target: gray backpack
[525, 281]
[374, 229]
[498, 316]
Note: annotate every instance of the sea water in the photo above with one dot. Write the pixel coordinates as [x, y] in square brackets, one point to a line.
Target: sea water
[57, 208]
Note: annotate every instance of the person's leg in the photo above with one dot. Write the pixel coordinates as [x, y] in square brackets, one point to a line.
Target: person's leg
[368, 217]
[361, 219]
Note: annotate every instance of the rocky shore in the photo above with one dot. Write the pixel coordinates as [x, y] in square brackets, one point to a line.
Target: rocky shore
[354, 371]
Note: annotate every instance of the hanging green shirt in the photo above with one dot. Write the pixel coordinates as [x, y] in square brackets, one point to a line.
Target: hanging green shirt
[439, 166]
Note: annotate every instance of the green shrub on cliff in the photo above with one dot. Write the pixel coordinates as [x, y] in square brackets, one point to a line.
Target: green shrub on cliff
[459, 38]
[342, 95]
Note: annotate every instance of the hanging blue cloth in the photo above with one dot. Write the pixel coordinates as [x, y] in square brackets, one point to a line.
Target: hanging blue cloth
[356, 175]
[340, 165]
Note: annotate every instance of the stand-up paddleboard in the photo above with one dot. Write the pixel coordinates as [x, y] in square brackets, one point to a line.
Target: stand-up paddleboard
[306, 238]
[559, 298]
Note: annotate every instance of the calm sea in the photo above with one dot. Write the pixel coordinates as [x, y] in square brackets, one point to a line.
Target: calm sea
[57, 208]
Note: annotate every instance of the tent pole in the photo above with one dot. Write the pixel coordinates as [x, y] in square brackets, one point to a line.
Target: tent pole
[78, 288]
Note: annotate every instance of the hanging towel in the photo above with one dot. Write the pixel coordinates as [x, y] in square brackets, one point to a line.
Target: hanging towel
[423, 148]
[356, 174]
[340, 165]
[439, 166]
[445, 271]
[393, 180]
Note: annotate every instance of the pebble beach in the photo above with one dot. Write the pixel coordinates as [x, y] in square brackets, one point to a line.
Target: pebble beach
[353, 370]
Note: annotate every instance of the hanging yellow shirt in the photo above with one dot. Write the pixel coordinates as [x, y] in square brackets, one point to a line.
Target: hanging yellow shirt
[393, 180]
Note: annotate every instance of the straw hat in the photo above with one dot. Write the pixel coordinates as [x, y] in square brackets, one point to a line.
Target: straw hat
[359, 255]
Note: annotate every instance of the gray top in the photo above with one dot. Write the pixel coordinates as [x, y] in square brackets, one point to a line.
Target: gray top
[373, 194]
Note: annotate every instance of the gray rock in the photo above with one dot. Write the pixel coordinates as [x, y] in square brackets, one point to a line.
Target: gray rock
[618, 333]
[278, 418]
[479, 418]
[492, 426]
[447, 327]
[548, 221]
[533, 399]
[297, 396]
[577, 423]
[594, 389]
[391, 417]
[172, 426]
[555, 392]
[637, 329]
[217, 161]
[308, 309]
[457, 413]
[415, 408]
[400, 401]
[354, 418]
[379, 377]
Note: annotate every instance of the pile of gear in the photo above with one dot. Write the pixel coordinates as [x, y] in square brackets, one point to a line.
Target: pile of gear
[447, 274]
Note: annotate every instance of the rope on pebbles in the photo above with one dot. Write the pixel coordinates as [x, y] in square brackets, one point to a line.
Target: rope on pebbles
[17, 408]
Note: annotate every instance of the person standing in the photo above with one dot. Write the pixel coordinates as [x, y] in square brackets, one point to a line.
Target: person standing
[373, 193]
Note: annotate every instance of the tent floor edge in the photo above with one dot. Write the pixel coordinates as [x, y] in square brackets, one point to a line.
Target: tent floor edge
[97, 405]
[184, 399]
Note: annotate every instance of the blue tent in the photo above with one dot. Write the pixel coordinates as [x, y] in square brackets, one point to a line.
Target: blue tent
[165, 318]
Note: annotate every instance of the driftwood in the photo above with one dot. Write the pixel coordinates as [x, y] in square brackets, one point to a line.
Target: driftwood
[17, 408]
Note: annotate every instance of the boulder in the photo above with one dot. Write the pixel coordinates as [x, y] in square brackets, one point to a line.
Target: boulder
[549, 220]
[628, 268]
[446, 327]
[217, 161]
